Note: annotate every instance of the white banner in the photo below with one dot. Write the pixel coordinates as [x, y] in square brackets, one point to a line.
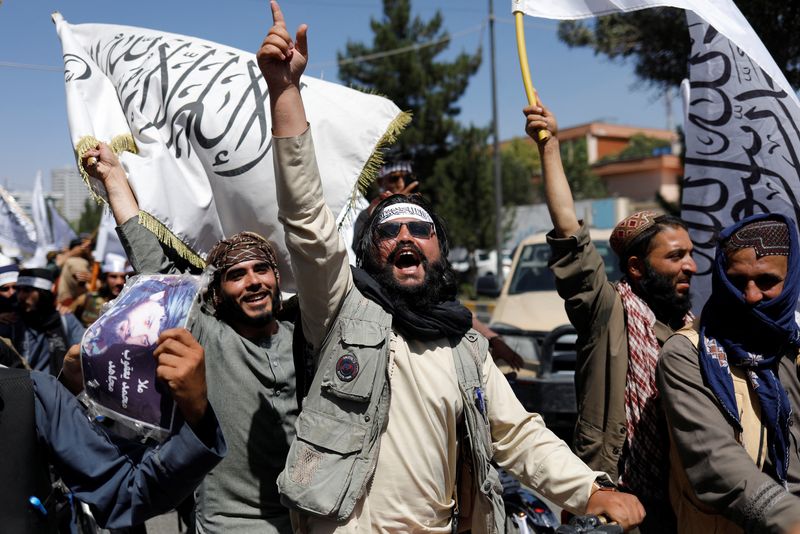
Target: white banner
[62, 231]
[17, 232]
[107, 239]
[44, 237]
[742, 145]
[721, 14]
[198, 114]
[742, 121]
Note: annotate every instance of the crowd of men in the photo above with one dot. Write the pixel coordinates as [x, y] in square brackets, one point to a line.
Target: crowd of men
[371, 403]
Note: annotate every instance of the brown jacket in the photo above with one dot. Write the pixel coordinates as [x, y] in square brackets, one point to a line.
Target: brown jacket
[716, 482]
[595, 309]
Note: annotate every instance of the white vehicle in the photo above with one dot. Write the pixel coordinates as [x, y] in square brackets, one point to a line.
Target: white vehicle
[485, 262]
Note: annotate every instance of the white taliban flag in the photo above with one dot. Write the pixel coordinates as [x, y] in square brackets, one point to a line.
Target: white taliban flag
[742, 122]
[17, 232]
[44, 236]
[191, 120]
[62, 231]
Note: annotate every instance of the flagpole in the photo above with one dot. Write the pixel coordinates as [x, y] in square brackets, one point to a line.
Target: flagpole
[524, 65]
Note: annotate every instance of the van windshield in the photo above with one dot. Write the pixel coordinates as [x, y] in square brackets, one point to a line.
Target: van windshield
[532, 273]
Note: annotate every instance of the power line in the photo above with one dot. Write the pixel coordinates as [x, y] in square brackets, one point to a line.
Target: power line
[30, 66]
[401, 50]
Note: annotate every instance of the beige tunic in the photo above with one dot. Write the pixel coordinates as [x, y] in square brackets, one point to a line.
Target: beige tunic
[412, 488]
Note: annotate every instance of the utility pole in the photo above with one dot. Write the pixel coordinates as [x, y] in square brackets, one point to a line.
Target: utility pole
[498, 181]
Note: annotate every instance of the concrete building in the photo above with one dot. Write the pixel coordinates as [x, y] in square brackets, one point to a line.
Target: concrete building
[69, 192]
[642, 178]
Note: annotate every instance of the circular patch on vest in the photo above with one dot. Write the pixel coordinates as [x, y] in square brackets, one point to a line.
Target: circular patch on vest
[347, 367]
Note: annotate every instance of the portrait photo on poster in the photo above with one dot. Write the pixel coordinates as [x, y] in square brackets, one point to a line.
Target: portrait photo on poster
[119, 369]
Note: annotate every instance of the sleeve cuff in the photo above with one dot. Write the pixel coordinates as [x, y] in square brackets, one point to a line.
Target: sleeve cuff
[202, 449]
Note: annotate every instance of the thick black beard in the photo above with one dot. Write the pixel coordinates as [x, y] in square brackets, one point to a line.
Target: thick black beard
[669, 306]
[440, 283]
[231, 313]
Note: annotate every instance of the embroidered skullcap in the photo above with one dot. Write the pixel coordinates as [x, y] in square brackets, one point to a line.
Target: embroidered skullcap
[629, 228]
[398, 167]
[9, 274]
[244, 246]
[37, 278]
[767, 237]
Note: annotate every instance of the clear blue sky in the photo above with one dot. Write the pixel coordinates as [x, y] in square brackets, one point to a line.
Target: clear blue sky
[578, 86]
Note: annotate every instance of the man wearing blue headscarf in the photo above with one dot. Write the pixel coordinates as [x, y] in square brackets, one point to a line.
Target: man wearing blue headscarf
[729, 390]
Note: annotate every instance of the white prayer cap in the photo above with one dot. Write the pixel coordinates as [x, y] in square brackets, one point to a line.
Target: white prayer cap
[116, 263]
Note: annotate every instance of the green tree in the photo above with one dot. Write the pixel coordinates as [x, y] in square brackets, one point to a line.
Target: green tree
[519, 161]
[90, 217]
[463, 181]
[657, 40]
[583, 182]
[415, 80]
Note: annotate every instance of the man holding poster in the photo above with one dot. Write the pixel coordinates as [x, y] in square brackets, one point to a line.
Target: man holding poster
[250, 366]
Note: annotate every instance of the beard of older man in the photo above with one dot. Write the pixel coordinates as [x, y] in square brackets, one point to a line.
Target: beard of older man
[440, 283]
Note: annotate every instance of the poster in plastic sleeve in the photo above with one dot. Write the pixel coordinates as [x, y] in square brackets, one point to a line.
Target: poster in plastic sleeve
[119, 369]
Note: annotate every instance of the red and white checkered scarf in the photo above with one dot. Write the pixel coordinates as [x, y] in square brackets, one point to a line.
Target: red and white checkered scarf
[646, 465]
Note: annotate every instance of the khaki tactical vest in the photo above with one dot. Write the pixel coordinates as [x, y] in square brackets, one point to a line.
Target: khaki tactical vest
[332, 460]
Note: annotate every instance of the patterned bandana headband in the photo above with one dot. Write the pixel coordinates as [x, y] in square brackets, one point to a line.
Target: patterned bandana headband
[629, 229]
[767, 237]
[244, 246]
[403, 211]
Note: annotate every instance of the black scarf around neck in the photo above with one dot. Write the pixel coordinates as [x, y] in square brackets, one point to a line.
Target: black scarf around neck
[448, 319]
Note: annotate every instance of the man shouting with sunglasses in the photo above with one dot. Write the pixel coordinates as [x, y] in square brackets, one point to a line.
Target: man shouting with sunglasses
[406, 410]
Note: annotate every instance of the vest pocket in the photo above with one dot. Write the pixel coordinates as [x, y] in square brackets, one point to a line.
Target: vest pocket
[350, 365]
[320, 463]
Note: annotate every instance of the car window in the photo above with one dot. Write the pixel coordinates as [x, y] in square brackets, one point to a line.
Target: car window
[533, 274]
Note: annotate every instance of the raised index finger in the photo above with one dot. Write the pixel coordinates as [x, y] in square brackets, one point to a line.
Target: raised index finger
[277, 15]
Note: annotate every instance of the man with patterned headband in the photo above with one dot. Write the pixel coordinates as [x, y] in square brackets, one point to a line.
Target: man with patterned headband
[406, 410]
[621, 327]
[41, 335]
[731, 392]
[249, 363]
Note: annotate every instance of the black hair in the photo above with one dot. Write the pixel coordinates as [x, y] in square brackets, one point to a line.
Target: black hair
[641, 244]
[366, 243]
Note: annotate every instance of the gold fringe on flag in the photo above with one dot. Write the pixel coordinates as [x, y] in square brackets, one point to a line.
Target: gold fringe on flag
[370, 171]
[166, 236]
[118, 144]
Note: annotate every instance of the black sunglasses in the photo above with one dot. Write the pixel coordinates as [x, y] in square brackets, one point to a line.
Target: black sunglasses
[419, 229]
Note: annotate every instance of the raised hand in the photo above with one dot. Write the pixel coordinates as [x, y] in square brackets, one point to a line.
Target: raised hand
[539, 118]
[101, 163]
[281, 60]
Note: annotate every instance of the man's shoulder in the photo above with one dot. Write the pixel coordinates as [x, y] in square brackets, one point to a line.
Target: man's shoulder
[680, 351]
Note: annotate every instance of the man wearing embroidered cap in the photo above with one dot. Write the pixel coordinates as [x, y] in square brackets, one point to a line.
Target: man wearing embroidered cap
[621, 327]
[114, 272]
[407, 409]
[249, 362]
[41, 334]
[731, 392]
